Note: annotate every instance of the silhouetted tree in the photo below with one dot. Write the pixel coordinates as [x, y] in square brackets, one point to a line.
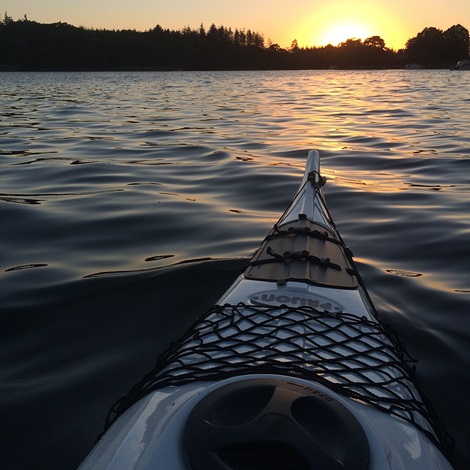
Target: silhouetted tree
[294, 47]
[434, 47]
[457, 42]
[427, 47]
[7, 19]
[351, 53]
[375, 41]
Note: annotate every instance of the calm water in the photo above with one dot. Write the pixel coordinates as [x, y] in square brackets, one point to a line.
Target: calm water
[113, 184]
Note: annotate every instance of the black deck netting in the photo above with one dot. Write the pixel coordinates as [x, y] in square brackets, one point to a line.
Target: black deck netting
[355, 357]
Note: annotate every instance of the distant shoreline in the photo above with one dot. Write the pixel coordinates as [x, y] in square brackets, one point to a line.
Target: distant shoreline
[30, 46]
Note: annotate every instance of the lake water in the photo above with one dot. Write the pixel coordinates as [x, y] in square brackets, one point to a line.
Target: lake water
[130, 201]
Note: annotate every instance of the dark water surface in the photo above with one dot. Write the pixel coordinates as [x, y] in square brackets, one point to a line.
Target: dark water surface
[112, 185]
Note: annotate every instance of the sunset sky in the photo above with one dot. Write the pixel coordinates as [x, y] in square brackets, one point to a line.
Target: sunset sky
[311, 22]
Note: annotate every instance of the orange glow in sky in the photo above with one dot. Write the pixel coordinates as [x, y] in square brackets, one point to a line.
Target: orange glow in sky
[311, 22]
[342, 31]
[341, 20]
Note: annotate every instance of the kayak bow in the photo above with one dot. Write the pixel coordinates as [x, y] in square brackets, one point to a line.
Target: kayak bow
[291, 369]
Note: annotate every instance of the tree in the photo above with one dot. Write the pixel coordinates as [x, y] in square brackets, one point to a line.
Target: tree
[7, 19]
[436, 48]
[274, 47]
[457, 41]
[202, 31]
[375, 41]
[428, 47]
[294, 47]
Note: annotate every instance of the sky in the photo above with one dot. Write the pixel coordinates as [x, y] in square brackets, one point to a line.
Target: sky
[310, 22]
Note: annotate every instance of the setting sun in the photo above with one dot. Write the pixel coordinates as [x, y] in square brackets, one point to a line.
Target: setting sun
[337, 22]
[341, 32]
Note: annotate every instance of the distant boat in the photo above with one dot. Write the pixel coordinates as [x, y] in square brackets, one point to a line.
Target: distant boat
[415, 67]
[462, 65]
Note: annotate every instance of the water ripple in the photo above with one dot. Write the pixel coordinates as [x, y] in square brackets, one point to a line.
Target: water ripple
[110, 177]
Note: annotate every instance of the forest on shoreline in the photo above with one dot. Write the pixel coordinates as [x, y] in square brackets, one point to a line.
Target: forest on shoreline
[27, 45]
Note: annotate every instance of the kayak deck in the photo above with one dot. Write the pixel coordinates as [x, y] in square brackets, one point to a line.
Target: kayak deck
[299, 310]
[303, 251]
[353, 356]
[300, 318]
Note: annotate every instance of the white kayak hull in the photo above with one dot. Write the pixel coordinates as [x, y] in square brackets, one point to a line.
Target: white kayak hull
[292, 364]
[150, 434]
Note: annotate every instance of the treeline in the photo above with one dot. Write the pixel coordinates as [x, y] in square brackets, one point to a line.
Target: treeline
[433, 47]
[28, 45]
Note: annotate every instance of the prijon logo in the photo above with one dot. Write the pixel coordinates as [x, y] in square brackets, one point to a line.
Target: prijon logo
[274, 298]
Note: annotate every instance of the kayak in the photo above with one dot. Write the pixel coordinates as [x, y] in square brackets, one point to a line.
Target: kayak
[291, 369]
